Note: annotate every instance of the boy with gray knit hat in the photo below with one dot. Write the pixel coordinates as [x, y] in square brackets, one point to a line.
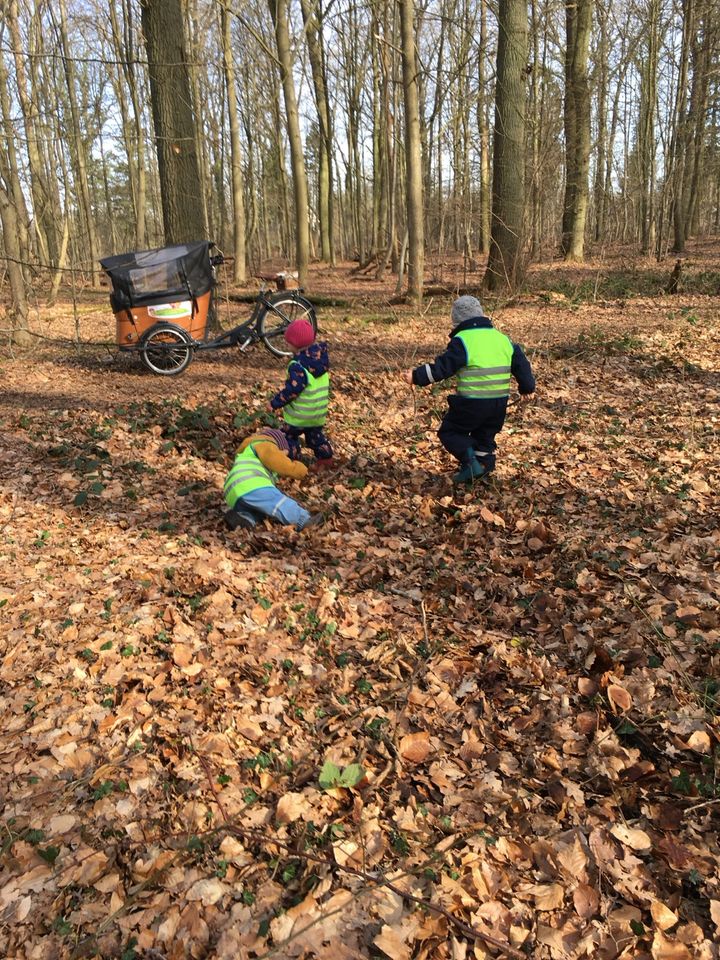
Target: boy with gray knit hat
[484, 360]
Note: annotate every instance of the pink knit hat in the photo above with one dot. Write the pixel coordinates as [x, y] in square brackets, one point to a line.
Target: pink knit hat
[300, 334]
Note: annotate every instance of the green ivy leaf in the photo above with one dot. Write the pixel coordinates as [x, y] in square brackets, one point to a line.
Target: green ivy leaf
[352, 775]
[49, 854]
[329, 775]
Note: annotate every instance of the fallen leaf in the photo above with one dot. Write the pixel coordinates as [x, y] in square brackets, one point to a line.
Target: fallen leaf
[620, 699]
[662, 915]
[290, 807]
[415, 747]
[631, 836]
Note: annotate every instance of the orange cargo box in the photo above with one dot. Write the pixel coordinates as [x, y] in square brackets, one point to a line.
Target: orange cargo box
[132, 322]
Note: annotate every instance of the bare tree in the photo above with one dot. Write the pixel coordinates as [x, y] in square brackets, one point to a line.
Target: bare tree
[578, 20]
[413, 155]
[174, 121]
[279, 14]
[506, 261]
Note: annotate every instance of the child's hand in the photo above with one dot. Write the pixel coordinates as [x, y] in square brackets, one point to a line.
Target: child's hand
[526, 398]
[408, 377]
[269, 407]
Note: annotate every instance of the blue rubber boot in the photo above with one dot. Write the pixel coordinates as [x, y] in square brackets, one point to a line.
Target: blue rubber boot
[471, 469]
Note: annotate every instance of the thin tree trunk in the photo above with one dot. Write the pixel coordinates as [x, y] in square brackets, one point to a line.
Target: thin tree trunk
[313, 20]
[646, 132]
[413, 155]
[578, 17]
[13, 251]
[41, 196]
[238, 187]
[278, 12]
[505, 264]
[77, 149]
[683, 131]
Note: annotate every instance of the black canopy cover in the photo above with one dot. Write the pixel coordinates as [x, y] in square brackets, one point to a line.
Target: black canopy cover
[154, 276]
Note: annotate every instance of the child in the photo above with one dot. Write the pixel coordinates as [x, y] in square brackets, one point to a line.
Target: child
[304, 398]
[484, 360]
[250, 491]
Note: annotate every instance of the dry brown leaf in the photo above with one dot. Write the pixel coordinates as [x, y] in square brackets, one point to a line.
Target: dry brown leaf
[666, 949]
[415, 747]
[208, 891]
[699, 741]
[662, 915]
[290, 807]
[632, 837]
[586, 900]
[620, 699]
[548, 896]
[390, 941]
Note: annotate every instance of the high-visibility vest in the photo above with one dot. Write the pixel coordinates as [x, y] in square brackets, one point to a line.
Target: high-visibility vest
[311, 407]
[487, 372]
[246, 474]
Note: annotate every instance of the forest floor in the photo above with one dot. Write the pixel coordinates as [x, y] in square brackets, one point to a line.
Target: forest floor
[448, 724]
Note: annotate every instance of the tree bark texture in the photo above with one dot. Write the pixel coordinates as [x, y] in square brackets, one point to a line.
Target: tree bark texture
[506, 261]
[578, 20]
[236, 174]
[174, 122]
[413, 154]
[278, 11]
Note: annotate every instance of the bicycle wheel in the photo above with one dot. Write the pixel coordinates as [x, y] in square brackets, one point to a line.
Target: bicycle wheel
[166, 349]
[274, 320]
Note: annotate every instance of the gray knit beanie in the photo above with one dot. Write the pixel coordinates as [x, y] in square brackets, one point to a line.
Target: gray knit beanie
[466, 308]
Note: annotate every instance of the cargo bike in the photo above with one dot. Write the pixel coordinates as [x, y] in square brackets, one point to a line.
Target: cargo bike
[165, 307]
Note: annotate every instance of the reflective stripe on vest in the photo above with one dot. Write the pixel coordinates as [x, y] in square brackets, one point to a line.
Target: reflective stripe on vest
[487, 374]
[246, 474]
[310, 408]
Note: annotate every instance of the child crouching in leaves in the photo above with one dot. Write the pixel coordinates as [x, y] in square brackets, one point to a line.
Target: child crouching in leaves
[304, 398]
[250, 491]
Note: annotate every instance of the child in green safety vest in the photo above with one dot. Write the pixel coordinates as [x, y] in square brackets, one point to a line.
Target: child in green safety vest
[484, 360]
[305, 396]
[250, 491]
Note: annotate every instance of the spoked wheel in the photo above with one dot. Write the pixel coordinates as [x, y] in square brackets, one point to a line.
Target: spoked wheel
[275, 319]
[166, 349]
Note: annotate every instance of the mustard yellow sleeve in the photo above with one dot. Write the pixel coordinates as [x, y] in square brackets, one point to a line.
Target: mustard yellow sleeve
[275, 460]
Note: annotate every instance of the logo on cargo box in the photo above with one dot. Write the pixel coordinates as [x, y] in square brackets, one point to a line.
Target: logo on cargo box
[170, 311]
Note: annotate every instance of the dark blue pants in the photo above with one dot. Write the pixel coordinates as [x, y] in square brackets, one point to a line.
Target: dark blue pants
[473, 424]
[314, 438]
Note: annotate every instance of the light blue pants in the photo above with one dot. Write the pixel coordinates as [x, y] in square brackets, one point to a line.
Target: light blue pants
[270, 502]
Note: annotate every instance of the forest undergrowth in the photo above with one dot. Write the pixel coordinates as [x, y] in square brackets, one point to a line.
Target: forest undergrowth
[448, 724]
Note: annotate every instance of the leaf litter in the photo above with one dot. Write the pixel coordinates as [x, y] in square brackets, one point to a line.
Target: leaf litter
[449, 724]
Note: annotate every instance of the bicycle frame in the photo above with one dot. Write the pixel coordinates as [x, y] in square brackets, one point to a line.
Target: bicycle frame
[247, 332]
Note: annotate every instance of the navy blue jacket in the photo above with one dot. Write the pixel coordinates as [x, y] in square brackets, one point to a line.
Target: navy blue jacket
[314, 359]
[455, 357]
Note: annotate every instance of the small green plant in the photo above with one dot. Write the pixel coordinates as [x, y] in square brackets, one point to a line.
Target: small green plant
[332, 776]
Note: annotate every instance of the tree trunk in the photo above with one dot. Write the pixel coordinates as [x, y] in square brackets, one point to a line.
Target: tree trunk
[77, 150]
[413, 155]
[12, 172]
[599, 195]
[578, 19]
[313, 20]
[41, 196]
[278, 12]
[683, 131]
[238, 187]
[174, 122]
[11, 241]
[646, 130]
[506, 261]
